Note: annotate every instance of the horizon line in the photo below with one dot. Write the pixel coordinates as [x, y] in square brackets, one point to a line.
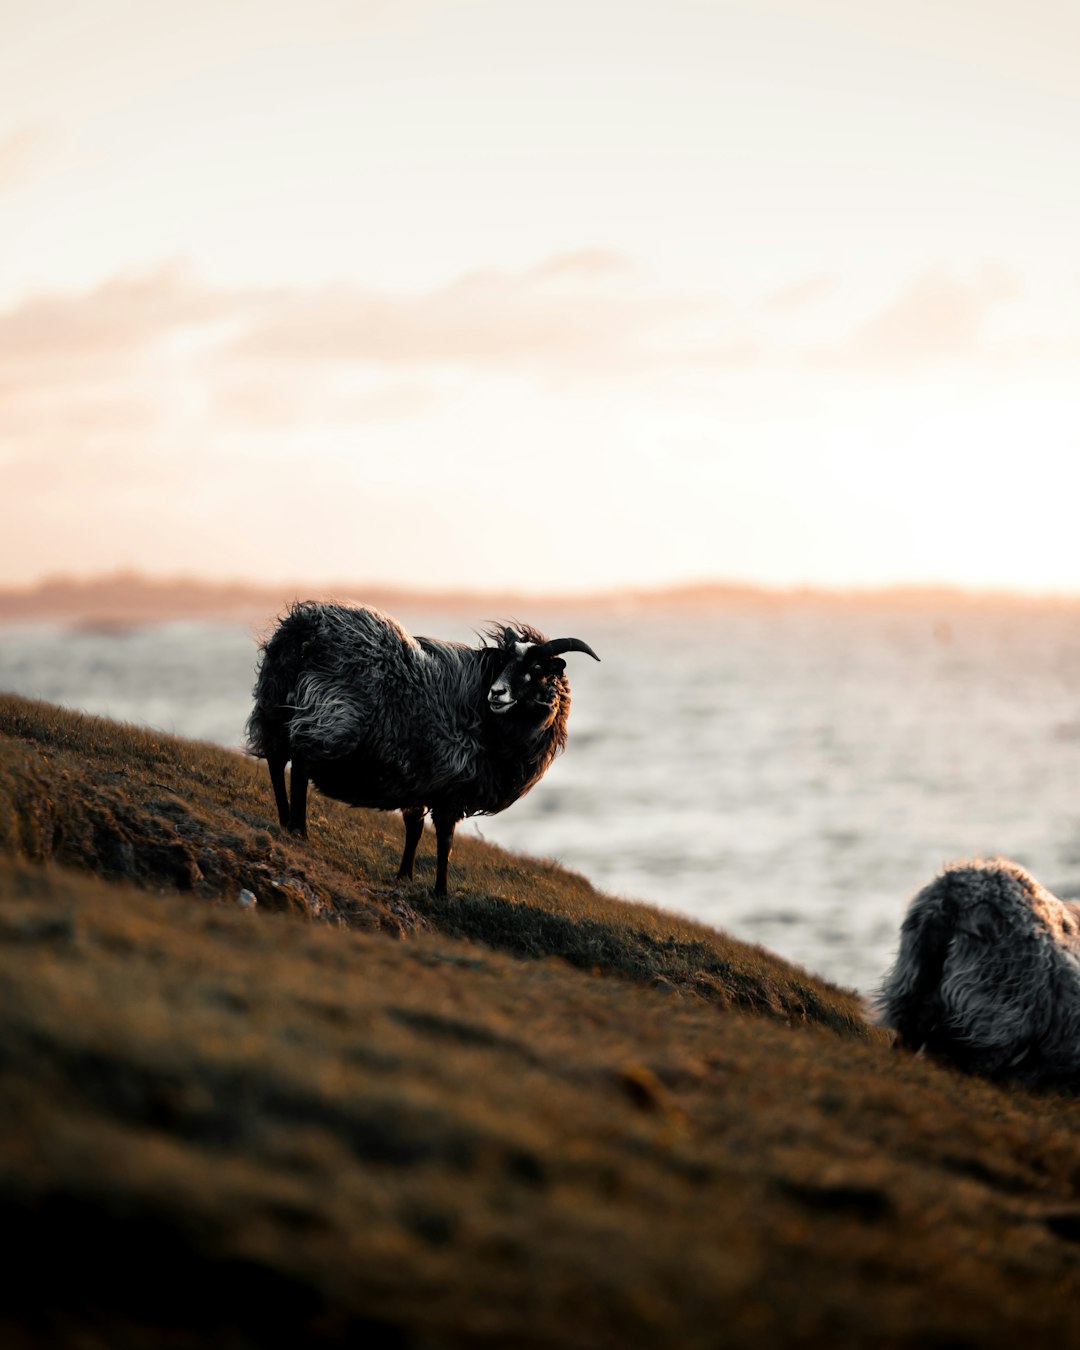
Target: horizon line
[701, 588]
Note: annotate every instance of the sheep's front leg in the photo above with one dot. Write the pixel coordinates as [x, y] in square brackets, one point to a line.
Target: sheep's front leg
[298, 806]
[444, 839]
[413, 817]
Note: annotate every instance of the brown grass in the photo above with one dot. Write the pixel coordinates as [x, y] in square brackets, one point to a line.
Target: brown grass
[544, 1118]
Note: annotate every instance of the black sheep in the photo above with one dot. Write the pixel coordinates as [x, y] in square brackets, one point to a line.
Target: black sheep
[375, 717]
[988, 976]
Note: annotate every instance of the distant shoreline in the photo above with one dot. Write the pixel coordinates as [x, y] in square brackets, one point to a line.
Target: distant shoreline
[131, 598]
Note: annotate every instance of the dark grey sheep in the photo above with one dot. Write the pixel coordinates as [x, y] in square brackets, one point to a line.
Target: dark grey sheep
[375, 717]
[988, 975]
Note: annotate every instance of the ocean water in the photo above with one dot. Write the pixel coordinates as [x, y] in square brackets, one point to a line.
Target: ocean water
[792, 775]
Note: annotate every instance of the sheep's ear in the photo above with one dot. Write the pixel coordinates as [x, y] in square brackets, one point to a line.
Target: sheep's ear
[558, 665]
[509, 636]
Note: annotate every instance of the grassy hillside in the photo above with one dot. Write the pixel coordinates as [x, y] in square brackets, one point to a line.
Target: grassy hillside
[530, 1115]
[134, 806]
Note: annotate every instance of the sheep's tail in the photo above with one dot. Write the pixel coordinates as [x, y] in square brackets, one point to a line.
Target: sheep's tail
[280, 664]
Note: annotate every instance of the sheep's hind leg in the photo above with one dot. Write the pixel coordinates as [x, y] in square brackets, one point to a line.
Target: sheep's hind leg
[298, 806]
[413, 817]
[444, 839]
[276, 765]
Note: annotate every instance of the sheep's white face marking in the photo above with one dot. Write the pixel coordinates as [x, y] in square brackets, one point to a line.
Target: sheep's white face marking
[500, 696]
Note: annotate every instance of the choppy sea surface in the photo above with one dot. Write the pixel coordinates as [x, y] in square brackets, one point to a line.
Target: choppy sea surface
[792, 775]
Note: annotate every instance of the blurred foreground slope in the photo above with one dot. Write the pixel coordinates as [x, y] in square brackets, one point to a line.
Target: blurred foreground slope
[531, 1115]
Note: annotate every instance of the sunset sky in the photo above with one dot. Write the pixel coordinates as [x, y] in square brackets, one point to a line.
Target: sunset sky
[561, 295]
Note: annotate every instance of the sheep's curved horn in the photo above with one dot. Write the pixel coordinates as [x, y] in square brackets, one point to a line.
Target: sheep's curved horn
[559, 645]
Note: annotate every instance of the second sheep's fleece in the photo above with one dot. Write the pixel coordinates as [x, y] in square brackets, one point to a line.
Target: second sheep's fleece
[988, 976]
[375, 717]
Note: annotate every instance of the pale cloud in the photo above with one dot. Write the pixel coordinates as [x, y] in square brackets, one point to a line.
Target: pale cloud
[585, 264]
[937, 317]
[800, 294]
[569, 311]
[249, 399]
[80, 416]
[123, 315]
[53, 478]
[735, 353]
[98, 370]
[487, 319]
[20, 152]
[145, 352]
[145, 358]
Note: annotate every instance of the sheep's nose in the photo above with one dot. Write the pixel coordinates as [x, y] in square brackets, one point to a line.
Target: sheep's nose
[499, 697]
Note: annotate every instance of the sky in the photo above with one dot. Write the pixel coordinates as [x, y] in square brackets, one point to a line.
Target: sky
[556, 297]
